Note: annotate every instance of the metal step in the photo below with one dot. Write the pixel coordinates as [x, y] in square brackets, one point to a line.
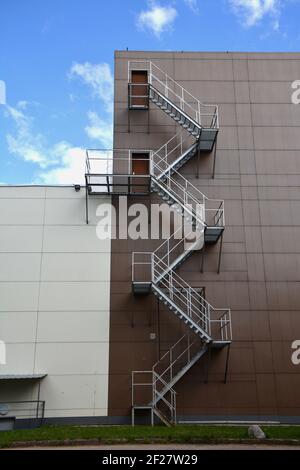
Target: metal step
[197, 328]
[205, 135]
[179, 162]
[173, 111]
[170, 196]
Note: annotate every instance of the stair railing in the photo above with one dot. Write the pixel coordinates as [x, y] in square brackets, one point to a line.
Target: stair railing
[175, 359]
[172, 149]
[202, 208]
[173, 91]
[180, 294]
[180, 242]
[160, 390]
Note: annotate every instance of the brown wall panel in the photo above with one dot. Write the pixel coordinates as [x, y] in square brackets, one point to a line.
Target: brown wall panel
[257, 174]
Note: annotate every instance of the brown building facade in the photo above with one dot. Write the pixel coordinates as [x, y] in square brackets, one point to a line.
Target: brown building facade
[257, 170]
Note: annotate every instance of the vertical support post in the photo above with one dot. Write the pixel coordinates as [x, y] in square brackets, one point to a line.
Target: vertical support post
[202, 258]
[198, 161]
[43, 412]
[39, 391]
[129, 102]
[86, 202]
[128, 120]
[220, 253]
[207, 363]
[37, 409]
[215, 155]
[226, 365]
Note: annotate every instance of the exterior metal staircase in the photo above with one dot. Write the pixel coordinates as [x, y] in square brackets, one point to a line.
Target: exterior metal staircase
[179, 193]
[175, 112]
[199, 119]
[207, 327]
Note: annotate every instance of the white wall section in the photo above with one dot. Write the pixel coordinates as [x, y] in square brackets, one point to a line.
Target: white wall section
[54, 299]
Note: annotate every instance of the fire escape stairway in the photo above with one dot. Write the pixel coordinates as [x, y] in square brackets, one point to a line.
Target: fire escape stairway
[207, 327]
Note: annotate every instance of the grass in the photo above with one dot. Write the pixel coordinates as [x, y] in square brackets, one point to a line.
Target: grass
[282, 432]
[146, 433]
[178, 433]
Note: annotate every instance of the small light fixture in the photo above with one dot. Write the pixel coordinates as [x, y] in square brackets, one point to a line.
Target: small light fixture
[77, 187]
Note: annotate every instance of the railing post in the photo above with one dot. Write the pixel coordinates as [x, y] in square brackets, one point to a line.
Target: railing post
[175, 413]
[43, 411]
[132, 385]
[222, 333]
[152, 268]
[151, 162]
[132, 266]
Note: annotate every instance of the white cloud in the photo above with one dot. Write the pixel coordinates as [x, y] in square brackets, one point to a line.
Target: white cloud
[193, 5]
[253, 11]
[71, 169]
[99, 129]
[26, 143]
[60, 163]
[157, 19]
[99, 78]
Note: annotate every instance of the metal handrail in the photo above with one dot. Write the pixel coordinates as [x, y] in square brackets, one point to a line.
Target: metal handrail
[165, 250]
[179, 145]
[132, 96]
[203, 316]
[156, 395]
[37, 410]
[183, 191]
[173, 359]
[101, 157]
[175, 285]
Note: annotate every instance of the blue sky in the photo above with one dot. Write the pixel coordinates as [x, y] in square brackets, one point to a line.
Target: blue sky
[56, 59]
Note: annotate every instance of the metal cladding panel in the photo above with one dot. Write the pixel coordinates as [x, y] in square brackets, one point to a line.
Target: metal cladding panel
[257, 174]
